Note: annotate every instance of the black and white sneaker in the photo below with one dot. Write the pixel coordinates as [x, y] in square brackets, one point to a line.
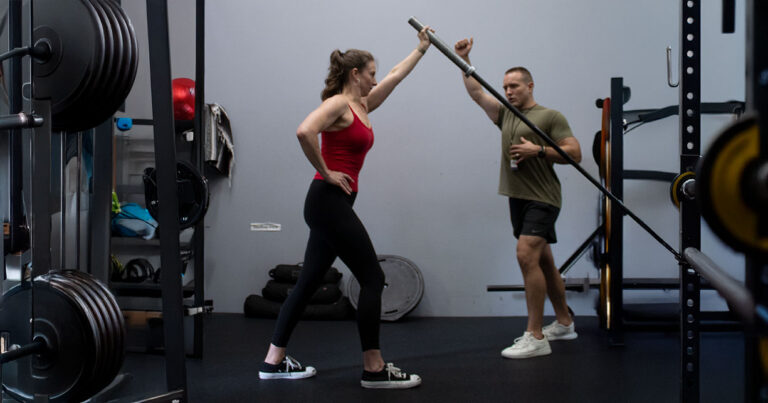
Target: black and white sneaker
[288, 369]
[390, 377]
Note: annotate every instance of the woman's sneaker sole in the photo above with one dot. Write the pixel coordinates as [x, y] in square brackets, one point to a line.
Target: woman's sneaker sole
[567, 336]
[308, 372]
[413, 381]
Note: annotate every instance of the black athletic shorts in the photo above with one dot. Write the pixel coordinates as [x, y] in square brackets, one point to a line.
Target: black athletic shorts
[530, 217]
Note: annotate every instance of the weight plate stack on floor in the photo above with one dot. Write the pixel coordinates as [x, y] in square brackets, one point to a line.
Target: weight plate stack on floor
[79, 321]
[403, 288]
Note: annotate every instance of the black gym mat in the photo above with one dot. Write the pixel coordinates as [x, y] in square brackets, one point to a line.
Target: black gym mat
[458, 359]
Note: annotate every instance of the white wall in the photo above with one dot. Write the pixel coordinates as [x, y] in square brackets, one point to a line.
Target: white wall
[428, 188]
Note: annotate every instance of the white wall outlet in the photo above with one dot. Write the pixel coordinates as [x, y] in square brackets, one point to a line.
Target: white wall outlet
[265, 226]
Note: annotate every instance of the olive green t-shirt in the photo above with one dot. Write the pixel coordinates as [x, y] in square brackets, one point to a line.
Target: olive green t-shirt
[534, 178]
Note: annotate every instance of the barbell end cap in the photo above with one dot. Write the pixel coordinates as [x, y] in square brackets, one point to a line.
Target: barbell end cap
[36, 120]
[599, 103]
[688, 189]
[42, 50]
[415, 23]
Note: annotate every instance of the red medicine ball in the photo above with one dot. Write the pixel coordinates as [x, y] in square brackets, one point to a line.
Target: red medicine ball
[183, 98]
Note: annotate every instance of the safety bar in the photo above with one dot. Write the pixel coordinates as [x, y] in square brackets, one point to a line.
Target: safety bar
[738, 297]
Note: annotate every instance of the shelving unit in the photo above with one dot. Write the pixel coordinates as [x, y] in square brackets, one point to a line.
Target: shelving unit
[182, 301]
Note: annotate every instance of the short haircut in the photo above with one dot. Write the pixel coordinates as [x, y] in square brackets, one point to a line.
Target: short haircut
[527, 77]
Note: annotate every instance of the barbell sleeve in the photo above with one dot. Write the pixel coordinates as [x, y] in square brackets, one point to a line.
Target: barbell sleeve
[36, 346]
[738, 296]
[20, 120]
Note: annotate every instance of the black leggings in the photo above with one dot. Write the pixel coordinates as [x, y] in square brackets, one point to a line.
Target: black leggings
[335, 231]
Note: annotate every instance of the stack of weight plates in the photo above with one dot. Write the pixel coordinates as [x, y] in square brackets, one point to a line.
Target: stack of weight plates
[82, 326]
[93, 62]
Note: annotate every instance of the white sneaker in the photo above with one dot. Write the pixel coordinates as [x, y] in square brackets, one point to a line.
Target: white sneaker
[556, 331]
[527, 346]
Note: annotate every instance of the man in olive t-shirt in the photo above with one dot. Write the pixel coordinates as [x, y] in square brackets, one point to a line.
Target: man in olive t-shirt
[528, 179]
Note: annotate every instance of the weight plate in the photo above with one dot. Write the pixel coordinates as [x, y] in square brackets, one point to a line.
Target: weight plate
[130, 56]
[61, 281]
[605, 134]
[722, 184]
[87, 101]
[596, 144]
[605, 167]
[404, 287]
[80, 40]
[114, 52]
[607, 202]
[604, 309]
[92, 324]
[61, 375]
[111, 313]
[84, 113]
[114, 313]
[121, 53]
[192, 193]
[111, 351]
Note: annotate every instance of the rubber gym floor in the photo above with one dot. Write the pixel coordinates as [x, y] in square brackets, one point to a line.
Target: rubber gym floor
[458, 359]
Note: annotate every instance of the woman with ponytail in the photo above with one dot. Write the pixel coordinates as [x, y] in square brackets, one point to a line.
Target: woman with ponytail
[351, 93]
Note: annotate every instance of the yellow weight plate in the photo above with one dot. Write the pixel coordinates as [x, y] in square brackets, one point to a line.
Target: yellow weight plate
[721, 187]
[605, 130]
[607, 201]
[604, 310]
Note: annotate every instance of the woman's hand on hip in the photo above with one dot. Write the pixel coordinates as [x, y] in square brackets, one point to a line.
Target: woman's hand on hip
[341, 180]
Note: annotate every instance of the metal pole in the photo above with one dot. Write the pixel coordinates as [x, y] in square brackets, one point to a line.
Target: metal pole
[62, 200]
[16, 219]
[19, 120]
[470, 71]
[756, 267]
[77, 199]
[165, 160]
[198, 241]
[690, 216]
[615, 249]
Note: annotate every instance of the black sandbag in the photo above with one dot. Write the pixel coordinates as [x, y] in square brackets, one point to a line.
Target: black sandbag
[289, 273]
[256, 306]
[278, 291]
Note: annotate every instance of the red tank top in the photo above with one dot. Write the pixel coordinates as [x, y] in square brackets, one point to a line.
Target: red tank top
[345, 150]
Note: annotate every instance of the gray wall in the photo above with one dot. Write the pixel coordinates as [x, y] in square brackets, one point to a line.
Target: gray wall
[428, 188]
